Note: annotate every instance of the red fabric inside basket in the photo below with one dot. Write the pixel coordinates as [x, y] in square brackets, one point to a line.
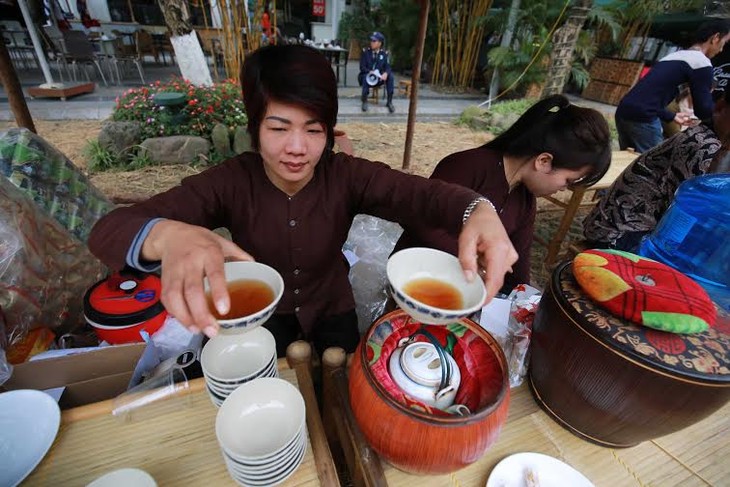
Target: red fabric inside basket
[481, 372]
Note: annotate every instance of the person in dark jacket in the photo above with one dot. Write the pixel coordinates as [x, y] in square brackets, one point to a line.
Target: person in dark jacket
[640, 113]
[553, 145]
[375, 71]
[289, 204]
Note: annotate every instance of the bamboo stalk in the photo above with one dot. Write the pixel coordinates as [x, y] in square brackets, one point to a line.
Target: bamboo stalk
[458, 43]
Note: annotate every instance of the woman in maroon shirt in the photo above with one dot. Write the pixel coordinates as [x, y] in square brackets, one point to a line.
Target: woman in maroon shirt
[290, 205]
[551, 146]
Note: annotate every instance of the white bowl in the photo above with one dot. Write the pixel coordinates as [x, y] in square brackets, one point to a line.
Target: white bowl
[238, 270]
[260, 418]
[235, 358]
[417, 263]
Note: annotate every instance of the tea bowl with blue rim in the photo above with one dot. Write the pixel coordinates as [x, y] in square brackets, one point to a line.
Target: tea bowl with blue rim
[418, 264]
[236, 271]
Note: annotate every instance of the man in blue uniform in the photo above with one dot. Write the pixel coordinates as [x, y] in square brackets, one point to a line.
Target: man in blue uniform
[375, 60]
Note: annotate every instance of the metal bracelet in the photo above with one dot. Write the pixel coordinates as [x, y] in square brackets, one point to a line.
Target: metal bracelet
[470, 209]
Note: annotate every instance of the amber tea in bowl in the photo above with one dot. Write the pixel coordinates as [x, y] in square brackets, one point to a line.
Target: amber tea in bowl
[248, 296]
[430, 286]
[255, 290]
[434, 293]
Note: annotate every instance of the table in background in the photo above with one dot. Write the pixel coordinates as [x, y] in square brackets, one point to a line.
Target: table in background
[619, 161]
[338, 57]
[173, 440]
[694, 456]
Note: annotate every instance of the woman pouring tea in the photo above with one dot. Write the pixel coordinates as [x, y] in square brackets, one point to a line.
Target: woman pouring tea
[289, 204]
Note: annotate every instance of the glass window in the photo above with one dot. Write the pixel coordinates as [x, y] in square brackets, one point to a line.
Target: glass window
[119, 11]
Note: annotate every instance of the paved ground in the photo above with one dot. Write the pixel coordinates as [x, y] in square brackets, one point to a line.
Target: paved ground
[432, 105]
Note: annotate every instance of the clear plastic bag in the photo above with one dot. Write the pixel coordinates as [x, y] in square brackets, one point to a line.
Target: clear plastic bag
[369, 244]
[46, 210]
[525, 300]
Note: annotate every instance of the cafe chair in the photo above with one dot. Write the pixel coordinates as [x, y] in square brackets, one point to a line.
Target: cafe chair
[55, 48]
[146, 45]
[122, 56]
[80, 51]
[20, 48]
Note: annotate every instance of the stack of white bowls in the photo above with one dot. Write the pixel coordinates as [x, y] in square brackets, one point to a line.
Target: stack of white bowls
[231, 360]
[262, 432]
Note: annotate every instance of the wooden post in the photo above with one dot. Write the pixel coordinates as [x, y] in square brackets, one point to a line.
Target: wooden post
[363, 462]
[11, 83]
[413, 102]
[299, 358]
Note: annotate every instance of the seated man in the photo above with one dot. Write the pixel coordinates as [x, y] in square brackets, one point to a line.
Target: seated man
[634, 204]
[374, 60]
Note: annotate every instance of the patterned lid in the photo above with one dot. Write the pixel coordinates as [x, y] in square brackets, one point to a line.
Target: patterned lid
[704, 356]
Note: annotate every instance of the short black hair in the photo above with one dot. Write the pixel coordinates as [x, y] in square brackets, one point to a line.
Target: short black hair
[293, 74]
[710, 28]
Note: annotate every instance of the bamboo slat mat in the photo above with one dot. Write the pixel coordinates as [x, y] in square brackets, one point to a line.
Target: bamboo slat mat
[173, 441]
[695, 456]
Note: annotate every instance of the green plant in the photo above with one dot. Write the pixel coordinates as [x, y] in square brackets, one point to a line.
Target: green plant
[358, 23]
[400, 26]
[495, 120]
[98, 158]
[205, 107]
[139, 158]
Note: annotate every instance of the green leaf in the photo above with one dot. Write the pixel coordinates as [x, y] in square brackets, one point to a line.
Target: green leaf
[673, 322]
[628, 255]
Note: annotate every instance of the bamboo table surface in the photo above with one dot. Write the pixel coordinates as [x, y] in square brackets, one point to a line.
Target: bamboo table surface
[695, 456]
[174, 441]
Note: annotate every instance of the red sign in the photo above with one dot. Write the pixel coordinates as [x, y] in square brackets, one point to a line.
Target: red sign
[318, 8]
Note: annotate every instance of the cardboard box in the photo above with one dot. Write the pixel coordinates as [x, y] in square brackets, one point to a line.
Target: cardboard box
[88, 377]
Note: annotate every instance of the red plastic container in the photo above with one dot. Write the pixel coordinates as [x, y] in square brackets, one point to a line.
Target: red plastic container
[122, 306]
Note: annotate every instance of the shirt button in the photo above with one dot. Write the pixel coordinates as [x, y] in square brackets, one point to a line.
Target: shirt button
[297, 271]
[292, 223]
[296, 310]
[296, 291]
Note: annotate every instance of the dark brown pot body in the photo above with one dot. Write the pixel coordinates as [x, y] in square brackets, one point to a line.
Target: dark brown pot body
[603, 393]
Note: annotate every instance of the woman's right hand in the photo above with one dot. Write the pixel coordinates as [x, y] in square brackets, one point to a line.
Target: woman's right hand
[684, 119]
[189, 253]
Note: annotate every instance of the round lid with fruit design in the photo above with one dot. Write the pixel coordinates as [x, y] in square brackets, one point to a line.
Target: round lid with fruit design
[704, 355]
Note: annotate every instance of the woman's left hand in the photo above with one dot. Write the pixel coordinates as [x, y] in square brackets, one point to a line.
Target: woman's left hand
[484, 244]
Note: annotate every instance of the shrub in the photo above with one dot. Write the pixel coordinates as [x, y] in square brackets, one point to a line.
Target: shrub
[205, 106]
[497, 119]
[97, 157]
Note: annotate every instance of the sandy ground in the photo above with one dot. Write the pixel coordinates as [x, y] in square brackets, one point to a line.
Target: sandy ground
[381, 142]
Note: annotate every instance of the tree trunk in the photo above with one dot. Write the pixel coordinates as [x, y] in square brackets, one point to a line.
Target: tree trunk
[509, 32]
[189, 54]
[564, 41]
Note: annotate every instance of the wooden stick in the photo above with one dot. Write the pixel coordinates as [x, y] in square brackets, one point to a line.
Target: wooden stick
[299, 358]
[362, 461]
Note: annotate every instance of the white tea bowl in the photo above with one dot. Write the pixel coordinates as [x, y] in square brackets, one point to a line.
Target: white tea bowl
[240, 270]
[234, 358]
[260, 418]
[408, 265]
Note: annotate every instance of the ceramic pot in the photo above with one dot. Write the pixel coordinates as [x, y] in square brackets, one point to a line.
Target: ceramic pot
[617, 383]
[410, 435]
[124, 306]
[419, 370]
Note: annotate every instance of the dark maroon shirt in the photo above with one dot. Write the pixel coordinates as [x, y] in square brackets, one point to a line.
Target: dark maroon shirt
[482, 170]
[300, 236]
